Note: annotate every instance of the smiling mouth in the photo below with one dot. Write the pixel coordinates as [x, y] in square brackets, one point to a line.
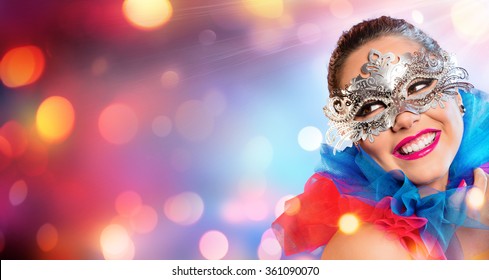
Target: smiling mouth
[417, 146]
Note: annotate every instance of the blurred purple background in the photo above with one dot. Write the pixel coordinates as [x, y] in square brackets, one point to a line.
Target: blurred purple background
[154, 129]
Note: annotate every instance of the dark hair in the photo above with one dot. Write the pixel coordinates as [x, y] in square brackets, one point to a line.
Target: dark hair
[367, 31]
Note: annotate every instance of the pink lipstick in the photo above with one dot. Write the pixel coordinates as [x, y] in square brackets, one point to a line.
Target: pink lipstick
[417, 146]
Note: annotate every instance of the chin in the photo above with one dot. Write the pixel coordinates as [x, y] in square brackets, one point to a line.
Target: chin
[434, 176]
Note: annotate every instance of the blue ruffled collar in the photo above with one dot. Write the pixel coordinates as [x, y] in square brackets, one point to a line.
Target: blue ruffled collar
[356, 173]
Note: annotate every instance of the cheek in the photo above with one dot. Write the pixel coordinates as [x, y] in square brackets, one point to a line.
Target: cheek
[451, 121]
[380, 148]
[451, 118]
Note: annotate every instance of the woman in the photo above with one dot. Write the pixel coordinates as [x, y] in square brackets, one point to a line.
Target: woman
[411, 181]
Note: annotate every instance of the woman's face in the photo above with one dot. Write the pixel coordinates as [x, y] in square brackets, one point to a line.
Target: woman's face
[421, 145]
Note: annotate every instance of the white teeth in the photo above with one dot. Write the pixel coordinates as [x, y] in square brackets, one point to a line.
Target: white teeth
[415, 148]
[424, 141]
[419, 144]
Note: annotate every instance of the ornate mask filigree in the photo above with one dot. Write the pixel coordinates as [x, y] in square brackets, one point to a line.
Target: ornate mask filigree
[391, 84]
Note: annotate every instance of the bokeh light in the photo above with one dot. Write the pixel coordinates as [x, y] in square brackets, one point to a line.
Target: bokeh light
[47, 237]
[271, 9]
[475, 198]
[22, 66]
[471, 19]
[55, 119]
[310, 138]
[18, 192]
[118, 124]
[207, 37]
[170, 79]
[213, 245]
[16, 136]
[147, 14]
[348, 223]
[417, 16]
[116, 243]
[128, 203]
[293, 206]
[185, 208]
[269, 249]
[280, 206]
[144, 220]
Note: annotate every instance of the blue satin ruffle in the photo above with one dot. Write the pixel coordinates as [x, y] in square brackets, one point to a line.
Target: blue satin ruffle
[355, 173]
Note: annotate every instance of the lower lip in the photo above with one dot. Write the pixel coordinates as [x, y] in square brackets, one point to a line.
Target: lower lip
[421, 153]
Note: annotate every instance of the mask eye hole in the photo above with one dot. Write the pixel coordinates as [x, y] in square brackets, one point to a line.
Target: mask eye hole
[420, 86]
[370, 110]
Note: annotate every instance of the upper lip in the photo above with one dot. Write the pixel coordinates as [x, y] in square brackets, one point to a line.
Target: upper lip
[410, 138]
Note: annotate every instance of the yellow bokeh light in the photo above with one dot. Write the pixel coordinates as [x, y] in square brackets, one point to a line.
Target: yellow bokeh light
[22, 66]
[55, 119]
[348, 223]
[475, 198]
[147, 14]
[265, 8]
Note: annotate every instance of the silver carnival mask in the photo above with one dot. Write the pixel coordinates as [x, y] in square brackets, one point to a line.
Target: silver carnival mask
[390, 85]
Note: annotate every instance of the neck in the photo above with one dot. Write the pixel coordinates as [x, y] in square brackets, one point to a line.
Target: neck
[437, 185]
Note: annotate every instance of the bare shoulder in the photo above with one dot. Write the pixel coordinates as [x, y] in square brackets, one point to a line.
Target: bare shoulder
[368, 243]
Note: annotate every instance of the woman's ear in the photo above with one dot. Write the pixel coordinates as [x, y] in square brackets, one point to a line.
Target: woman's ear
[460, 104]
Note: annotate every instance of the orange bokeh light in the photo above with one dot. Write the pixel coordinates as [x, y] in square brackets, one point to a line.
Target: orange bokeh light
[147, 14]
[47, 237]
[55, 119]
[22, 66]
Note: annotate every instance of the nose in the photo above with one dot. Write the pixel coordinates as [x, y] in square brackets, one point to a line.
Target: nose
[405, 120]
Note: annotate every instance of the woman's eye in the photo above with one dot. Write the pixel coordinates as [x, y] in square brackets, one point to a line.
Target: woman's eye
[419, 86]
[370, 109]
